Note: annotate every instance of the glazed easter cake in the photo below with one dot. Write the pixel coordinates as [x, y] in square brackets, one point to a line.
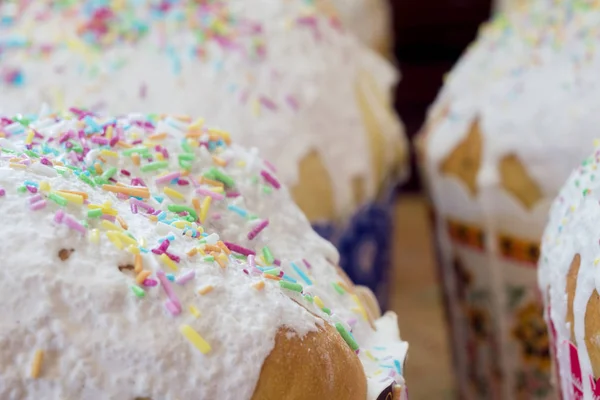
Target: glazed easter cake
[515, 115]
[568, 280]
[148, 257]
[283, 75]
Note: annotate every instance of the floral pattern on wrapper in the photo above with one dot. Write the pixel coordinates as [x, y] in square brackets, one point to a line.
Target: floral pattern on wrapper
[365, 243]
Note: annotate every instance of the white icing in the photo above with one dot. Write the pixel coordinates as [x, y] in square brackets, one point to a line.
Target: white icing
[102, 342]
[318, 68]
[531, 80]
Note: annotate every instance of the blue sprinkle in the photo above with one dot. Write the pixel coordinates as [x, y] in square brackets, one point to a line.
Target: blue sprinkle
[302, 275]
[241, 212]
[143, 250]
[31, 183]
[288, 278]
[171, 237]
[398, 367]
[160, 199]
[171, 277]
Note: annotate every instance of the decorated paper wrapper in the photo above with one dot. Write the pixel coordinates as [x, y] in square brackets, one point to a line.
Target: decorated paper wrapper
[365, 243]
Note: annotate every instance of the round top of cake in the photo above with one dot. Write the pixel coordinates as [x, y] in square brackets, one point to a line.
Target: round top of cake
[283, 73]
[523, 96]
[147, 256]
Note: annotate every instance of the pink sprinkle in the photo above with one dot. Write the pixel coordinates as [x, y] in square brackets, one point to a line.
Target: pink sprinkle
[167, 178]
[125, 172]
[258, 229]
[185, 278]
[113, 142]
[45, 161]
[172, 256]
[270, 104]
[134, 209]
[292, 102]
[108, 217]
[270, 179]
[100, 140]
[150, 282]
[58, 217]
[38, 206]
[352, 321]
[174, 308]
[35, 199]
[31, 189]
[306, 263]
[166, 285]
[277, 262]
[164, 245]
[2, 192]
[73, 224]
[232, 194]
[251, 261]
[239, 249]
[183, 182]
[206, 192]
[216, 216]
[141, 204]
[270, 166]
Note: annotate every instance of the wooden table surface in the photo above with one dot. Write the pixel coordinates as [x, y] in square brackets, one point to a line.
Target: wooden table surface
[416, 298]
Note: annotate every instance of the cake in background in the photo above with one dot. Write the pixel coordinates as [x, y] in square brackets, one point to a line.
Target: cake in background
[171, 263]
[282, 75]
[568, 280]
[515, 115]
[369, 20]
[505, 6]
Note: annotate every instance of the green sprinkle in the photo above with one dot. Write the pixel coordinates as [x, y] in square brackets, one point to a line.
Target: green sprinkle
[209, 258]
[155, 166]
[32, 154]
[87, 180]
[99, 180]
[267, 189]
[61, 201]
[338, 288]
[309, 298]
[186, 157]
[272, 271]
[185, 164]
[77, 147]
[139, 149]
[177, 208]
[326, 310]
[22, 189]
[346, 336]
[138, 291]
[222, 177]
[186, 147]
[267, 255]
[5, 150]
[109, 173]
[210, 174]
[95, 213]
[296, 287]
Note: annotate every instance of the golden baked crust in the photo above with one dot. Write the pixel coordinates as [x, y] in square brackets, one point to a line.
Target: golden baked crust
[319, 365]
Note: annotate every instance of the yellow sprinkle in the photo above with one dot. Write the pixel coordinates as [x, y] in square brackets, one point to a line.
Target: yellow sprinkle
[158, 136]
[127, 239]
[368, 353]
[105, 210]
[109, 153]
[219, 161]
[133, 249]
[29, 138]
[109, 226]
[160, 157]
[319, 302]
[82, 194]
[17, 166]
[361, 309]
[153, 218]
[173, 194]
[109, 132]
[98, 169]
[122, 222]
[201, 251]
[137, 263]
[135, 157]
[95, 236]
[44, 186]
[114, 238]
[181, 224]
[36, 366]
[378, 372]
[142, 242]
[596, 261]
[223, 247]
[72, 197]
[205, 289]
[260, 261]
[142, 276]
[222, 260]
[168, 262]
[204, 208]
[259, 285]
[194, 311]
[192, 252]
[241, 163]
[195, 338]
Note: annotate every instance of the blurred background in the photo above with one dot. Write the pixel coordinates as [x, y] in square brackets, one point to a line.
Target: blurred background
[430, 36]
